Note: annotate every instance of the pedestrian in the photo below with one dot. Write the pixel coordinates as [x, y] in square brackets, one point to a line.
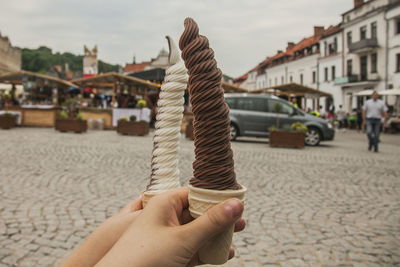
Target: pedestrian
[321, 112]
[341, 117]
[373, 112]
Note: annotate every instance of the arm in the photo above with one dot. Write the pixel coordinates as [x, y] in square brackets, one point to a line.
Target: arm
[364, 119]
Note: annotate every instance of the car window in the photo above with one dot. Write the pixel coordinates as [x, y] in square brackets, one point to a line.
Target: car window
[285, 108]
[231, 102]
[253, 104]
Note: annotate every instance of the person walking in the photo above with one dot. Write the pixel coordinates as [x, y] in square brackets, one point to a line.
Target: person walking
[341, 116]
[372, 113]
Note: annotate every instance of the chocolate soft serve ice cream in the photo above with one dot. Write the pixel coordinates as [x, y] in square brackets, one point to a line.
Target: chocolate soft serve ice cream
[214, 178]
[213, 167]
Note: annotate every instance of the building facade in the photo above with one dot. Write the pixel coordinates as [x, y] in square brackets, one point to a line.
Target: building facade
[90, 63]
[10, 57]
[361, 53]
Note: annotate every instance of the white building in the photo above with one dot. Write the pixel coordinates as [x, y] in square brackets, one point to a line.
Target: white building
[369, 38]
[330, 65]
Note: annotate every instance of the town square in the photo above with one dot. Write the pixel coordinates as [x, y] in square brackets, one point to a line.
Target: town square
[185, 133]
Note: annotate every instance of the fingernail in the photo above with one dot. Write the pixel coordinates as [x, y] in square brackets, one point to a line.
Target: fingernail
[233, 208]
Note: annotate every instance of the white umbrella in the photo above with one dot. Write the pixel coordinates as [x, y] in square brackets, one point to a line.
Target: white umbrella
[364, 93]
[390, 92]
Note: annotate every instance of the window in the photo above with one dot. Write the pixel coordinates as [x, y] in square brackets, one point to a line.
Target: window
[363, 33]
[276, 81]
[270, 82]
[398, 26]
[286, 109]
[335, 44]
[282, 80]
[373, 30]
[349, 38]
[326, 74]
[333, 73]
[301, 78]
[374, 59]
[398, 63]
[325, 49]
[349, 67]
[231, 102]
[314, 77]
[252, 104]
[291, 79]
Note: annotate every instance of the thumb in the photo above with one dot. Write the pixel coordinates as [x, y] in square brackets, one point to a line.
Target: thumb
[214, 221]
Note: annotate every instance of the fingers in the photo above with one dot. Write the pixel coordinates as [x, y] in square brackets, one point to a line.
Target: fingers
[214, 221]
[167, 205]
[240, 225]
[134, 205]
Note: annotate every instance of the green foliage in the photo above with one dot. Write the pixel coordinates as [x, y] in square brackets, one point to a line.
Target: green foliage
[64, 114]
[132, 118]
[273, 129]
[287, 128]
[79, 116]
[123, 119]
[299, 127]
[141, 104]
[42, 59]
[6, 96]
[8, 115]
[278, 107]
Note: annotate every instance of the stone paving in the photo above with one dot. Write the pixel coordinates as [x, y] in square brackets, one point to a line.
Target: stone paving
[334, 205]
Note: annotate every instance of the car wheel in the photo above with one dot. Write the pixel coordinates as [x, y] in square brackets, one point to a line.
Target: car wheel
[313, 136]
[234, 132]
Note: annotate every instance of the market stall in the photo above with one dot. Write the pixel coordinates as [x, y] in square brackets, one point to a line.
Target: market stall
[38, 105]
[305, 95]
[124, 91]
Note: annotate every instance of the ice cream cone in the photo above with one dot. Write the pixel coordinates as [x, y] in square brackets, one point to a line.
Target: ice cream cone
[216, 250]
[146, 196]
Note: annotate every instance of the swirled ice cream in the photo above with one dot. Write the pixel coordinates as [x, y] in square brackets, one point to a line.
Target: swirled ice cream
[213, 167]
[164, 165]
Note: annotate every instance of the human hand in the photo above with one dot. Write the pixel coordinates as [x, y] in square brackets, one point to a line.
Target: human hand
[104, 237]
[165, 234]
[363, 126]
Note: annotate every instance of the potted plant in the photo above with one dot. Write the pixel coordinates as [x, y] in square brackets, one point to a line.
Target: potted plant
[132, 127]
[7, 121]
[69, 120]
[290, 136]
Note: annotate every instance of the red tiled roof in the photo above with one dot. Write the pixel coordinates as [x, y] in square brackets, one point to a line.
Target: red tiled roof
[331, 30]
[135, 67]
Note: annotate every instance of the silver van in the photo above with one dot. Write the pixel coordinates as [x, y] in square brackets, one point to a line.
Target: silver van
[252, 115]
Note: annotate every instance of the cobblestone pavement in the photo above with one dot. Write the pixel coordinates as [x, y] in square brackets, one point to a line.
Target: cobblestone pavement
[336, 204]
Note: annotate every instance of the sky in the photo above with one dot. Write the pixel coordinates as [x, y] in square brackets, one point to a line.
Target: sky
[241, 32]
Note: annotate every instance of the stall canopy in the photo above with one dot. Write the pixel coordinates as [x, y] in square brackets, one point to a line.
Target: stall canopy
[18, 76]
[110, 79]
[116, 81]
[292, 89]
[230, 88]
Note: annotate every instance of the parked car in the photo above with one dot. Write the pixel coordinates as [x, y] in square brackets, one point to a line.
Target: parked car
[253, 115]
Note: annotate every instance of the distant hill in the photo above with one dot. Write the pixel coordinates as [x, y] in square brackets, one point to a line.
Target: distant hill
[42, 59]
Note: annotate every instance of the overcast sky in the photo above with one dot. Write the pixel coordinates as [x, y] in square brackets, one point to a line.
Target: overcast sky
[241, 32]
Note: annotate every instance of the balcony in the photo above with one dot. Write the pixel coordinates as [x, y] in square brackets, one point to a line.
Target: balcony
[363, 45]
[356, 79]
[346, 79]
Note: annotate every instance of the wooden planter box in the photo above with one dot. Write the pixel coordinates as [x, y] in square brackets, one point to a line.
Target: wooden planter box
[189, 130]
[71, 125]
[7, 122]
[133, 127]
[286, 139]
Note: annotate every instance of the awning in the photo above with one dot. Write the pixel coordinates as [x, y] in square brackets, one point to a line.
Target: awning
[17, 77]
[230, 88]
[390, 92]
[291, 89]
[107, 80]
[364, 92]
